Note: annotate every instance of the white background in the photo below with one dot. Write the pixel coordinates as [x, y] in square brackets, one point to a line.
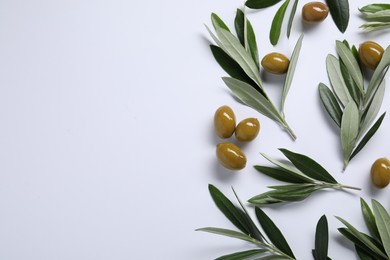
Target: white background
[106, 138]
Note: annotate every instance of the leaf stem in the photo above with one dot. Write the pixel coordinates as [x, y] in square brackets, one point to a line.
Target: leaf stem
[289, 130]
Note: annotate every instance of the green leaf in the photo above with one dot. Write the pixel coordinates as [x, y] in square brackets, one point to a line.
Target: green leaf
[249, 254]
[217, 22]
[373, 8]
[368, 136]
[228, 233]
[252, 98]
[291, 70]
[321, 239]
[337, 80]
[291, 19]
[273, 232]
[231, 67]
[378, 75]
[339, 9]
[282, 174]
[374, 26]
[383, 224]
[349, 130]
[284, 193]
[350, 62]
[250, 35]
[330, 103]
[351, 86]
[308, 166]
[369, 218]
[362, 238]
[380, 16]
[232, 46]
[277, 23]
[363, 255]
[259, 4]
[373, 108]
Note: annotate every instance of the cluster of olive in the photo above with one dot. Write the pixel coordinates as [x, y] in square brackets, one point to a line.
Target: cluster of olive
[229, 155]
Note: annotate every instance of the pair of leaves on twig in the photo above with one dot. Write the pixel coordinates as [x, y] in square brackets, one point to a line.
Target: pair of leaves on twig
[339, 10]
[271, 244]
[349, 104]
[377, 16]
[305, 176]
[376, 244]
[238, 56]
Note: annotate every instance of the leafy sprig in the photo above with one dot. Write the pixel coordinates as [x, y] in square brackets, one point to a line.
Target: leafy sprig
[238, 56]
[270, 244]
[376, 244]
[351, 105]
[305, 176]
[377, 17]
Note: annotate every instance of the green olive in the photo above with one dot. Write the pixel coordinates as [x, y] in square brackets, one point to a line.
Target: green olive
[370, 54]
[314, 12]
[380, 172]
[275, 63]
[230, 156]
[224, 122]
[247, 129]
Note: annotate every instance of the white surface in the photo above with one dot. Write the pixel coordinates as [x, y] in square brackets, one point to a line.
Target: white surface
[106, 138]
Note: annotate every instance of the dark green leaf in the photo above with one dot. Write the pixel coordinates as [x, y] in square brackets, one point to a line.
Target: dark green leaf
[373, 8]
[291, 19]
[250, 34]
[217, 22]
[231, 67]
[243, 255]
[351, 86]
[368, 136]
[383, 223]
[330, 103]
[259, 4]
[369, 218]
[277, 23]
[363, 255]
[308, 166]
[339, 9]
[236, 216]
[273, 232]
[321, 239]
[282, 174]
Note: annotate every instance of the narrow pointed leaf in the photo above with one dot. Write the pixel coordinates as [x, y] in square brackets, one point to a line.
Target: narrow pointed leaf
[369, 218]
[259, 4]
[277, 23]
[383, 223]
[330, 104]
[378, 75]
[373, 8]
[252, 98]
[218, 22]
[282, 174]
[291, 18]
[321, 239]
[231, 67]
[291, 70]
[250, 34]
[308, 166]
[363, 254]
[368, 136]
[339, 9]
[351, 86]
[273, 232]
[243, 255]
[349, 130]
[227, 233]
[351, 64]
[337, 80]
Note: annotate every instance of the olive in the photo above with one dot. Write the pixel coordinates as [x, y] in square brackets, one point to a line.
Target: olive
[380, 172]
[224, 122]
[314, 12]
[370, 54]
[275, 63]
[230, 156]
[247, 129]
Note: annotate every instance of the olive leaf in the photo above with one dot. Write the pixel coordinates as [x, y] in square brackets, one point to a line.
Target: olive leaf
[349, 104]
[277, 23]
[339, 10]
[320, 251]
[373, 8]
[376, 15]
[291, 18]
[306, 177]
[274, 247]
[377, 220]
[259, 4]
[238, 56]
